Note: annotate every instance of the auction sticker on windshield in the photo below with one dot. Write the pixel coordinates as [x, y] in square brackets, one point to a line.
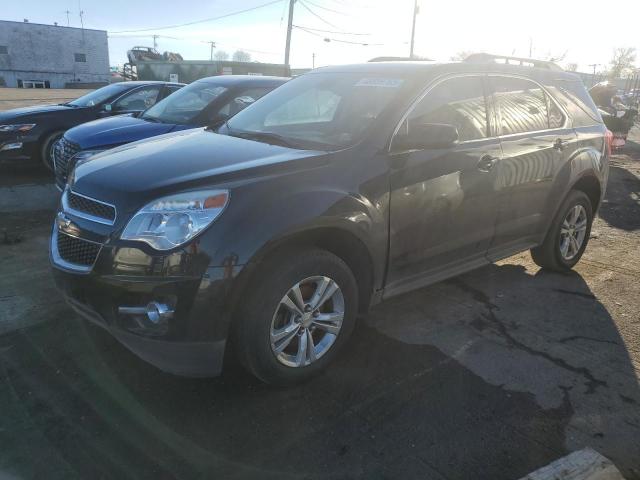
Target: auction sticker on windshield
[379, 82]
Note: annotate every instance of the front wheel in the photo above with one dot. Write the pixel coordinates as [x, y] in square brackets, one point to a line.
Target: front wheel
[46, 149]
[568, 236]
[298, 311]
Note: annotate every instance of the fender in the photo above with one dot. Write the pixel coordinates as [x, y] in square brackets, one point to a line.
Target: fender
[587, 162]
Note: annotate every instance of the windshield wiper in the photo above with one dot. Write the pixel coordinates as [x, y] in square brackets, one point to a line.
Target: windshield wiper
[266, 137]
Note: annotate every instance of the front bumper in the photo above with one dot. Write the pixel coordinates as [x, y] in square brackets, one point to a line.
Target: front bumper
[16, 148]
[193, 341]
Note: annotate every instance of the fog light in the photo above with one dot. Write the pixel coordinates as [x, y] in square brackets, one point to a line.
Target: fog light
[156, 312]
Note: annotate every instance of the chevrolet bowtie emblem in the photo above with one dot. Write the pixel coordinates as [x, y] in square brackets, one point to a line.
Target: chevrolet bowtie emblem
[65, 224]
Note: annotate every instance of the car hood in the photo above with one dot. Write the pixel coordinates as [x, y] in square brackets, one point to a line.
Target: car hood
[134, 174]
[17, 113]
[117, 130]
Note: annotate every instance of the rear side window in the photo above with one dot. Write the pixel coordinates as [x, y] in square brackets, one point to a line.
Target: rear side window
[459, 102]
[523, 106]
[576, 101]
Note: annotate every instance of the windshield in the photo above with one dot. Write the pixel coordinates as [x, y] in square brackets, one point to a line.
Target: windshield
[330, 110]
[98, 96]
[185, 105]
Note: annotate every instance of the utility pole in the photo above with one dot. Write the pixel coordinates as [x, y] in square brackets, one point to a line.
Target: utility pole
[81, 19]
[155, 41]
[287, 48]
[593, 79]
[313, 60]
[213, 45]
[413, 27]
[67, 12]
[530, 47]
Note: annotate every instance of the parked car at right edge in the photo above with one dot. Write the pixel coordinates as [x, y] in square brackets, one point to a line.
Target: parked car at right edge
[205, 102]
[344, 187]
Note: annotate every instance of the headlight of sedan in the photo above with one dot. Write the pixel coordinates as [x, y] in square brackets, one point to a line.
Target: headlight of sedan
[83, 156]
[171, 221]
[20, 127]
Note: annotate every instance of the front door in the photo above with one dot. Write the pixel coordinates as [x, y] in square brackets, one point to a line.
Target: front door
[443, 202]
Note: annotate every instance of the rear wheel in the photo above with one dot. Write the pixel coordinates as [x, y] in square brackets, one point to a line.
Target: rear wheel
[47, 149]
[568, 236]
[299, 310]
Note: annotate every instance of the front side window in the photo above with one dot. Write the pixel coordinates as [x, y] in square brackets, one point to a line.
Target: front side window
[459, 102]
[98, 96]
[321, 110]
[138, 100]
[523, 106]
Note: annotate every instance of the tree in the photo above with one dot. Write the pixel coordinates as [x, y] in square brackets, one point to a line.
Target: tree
[221, 56]
[241, 56]
[622, 62]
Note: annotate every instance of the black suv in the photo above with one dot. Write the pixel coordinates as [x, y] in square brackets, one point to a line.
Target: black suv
[342, 188]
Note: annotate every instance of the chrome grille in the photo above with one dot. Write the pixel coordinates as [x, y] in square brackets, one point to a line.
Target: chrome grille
[91, 207]
[62, 153]
[77, 251]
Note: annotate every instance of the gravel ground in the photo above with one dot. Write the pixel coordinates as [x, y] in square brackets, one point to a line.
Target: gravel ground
[492, 374]
[20, 97]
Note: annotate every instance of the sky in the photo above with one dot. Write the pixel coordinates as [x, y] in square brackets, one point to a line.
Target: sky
[357, 30]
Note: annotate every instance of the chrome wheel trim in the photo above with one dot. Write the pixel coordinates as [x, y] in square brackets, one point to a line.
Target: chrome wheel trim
[573, 232]
[307, 321]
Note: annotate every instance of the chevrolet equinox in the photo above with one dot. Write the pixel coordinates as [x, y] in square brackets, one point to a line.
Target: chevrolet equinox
[342, 188]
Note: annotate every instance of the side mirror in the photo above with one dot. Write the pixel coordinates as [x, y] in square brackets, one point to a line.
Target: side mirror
[427, 135]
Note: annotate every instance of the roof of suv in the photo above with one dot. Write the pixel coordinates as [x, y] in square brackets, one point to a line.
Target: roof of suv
[407, 68]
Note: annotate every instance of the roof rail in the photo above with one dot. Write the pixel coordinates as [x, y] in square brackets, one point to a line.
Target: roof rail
[400, 59]
[525, 62]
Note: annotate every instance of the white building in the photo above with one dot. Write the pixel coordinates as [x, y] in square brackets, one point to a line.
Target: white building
[51, 56]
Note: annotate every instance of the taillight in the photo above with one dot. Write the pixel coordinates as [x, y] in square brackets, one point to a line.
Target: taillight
[608, 141]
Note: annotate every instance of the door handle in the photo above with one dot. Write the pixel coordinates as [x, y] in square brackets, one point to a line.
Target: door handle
[560, 144]
[486, 163]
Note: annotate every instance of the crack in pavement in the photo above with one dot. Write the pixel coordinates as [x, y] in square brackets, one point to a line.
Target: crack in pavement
[582, 337]
[592, 382]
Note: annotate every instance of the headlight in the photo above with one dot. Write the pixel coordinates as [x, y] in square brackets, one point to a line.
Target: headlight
[83, 156]
[171, 221]
[23, 127]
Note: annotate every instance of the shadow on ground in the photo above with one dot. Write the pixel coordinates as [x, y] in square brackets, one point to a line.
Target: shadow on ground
[445, 382]
[621, 208]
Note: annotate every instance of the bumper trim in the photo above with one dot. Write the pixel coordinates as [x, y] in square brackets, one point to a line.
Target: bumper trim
[188, 359]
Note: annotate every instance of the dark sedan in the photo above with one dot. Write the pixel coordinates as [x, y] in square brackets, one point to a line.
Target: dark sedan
[206, 102]
[28, 134]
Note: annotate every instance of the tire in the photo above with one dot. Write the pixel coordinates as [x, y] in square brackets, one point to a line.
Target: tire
[45, 149]
[551, 254]
[261, 313]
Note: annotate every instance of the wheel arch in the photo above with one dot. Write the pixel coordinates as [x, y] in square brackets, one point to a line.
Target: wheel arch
[339, 241]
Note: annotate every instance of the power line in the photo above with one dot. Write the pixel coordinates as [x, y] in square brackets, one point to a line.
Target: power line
[316, 15]
[310, 2]
[330, 31]
[329, 39]
[204, 20]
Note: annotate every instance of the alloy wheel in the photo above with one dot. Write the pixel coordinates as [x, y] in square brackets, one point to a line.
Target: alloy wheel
[573, 232]
[307, 321]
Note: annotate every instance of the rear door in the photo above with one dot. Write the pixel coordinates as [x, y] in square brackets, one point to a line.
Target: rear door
[536, 140]
[443, 203]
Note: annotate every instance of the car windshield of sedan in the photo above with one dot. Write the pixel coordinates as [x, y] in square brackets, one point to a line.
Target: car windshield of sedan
[185, 105]
[321, 110]
[98, 96]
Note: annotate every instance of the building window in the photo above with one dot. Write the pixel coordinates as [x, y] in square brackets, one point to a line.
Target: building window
[4, 50]
[81, 57]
